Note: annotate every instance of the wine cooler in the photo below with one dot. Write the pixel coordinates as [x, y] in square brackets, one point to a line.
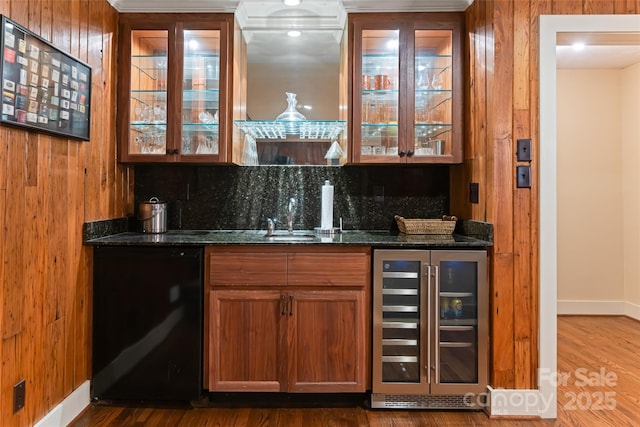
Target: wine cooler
[430, 329]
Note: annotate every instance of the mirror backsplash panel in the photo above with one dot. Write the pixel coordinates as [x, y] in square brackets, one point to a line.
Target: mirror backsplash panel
[238, 198]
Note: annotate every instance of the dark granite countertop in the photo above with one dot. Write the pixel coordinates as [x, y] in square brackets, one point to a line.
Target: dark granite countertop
[257, 237]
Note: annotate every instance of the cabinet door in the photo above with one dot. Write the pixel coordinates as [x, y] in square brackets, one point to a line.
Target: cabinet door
[327, 336]
[173, 88]
[435, 134]
[459, 348]
[377, 92]
[144, 93]
[406, 88]
[247, 346]
[204, 121]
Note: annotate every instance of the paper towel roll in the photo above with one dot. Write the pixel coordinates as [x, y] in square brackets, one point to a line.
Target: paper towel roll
[326, 216]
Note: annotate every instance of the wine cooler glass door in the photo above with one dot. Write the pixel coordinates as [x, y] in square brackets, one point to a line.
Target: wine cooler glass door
[400, 329]
[456, 345]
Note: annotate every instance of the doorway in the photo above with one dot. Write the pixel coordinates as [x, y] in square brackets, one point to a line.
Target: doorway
[550, 26]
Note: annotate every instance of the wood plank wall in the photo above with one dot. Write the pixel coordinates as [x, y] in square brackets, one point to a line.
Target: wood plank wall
[502, 97]
[49, 186]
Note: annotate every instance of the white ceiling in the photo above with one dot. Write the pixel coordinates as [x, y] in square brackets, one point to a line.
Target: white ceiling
[600, 50]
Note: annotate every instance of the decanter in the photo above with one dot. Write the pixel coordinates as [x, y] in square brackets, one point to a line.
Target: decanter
[291, 113]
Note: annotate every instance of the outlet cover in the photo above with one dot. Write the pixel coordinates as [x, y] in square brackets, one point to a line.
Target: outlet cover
[474, 192]
[378, 193]
[19, 391]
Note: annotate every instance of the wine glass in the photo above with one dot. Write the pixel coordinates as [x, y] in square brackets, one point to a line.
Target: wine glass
[437, 81]
[424, 81]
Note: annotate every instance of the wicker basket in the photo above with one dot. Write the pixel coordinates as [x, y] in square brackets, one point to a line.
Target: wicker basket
[426, 226]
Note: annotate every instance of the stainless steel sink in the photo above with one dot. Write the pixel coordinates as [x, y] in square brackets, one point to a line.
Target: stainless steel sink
[291, 237]
[188, 232]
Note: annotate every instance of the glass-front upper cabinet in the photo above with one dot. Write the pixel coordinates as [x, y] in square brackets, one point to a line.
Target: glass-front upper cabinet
[201, 93]
[407, 88]
[173, 85]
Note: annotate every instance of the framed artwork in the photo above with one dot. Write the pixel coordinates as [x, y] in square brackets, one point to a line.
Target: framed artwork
[43, 88]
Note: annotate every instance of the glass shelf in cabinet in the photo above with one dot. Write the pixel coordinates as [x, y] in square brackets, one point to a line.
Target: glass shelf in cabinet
[198, 95]
[148, 129]
[380, 125]
[379, 92]
[200, 127]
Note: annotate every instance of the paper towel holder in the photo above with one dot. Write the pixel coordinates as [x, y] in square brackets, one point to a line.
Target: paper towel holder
[326, 231]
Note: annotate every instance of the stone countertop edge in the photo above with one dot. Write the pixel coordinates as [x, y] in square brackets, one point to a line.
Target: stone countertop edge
[477, 234]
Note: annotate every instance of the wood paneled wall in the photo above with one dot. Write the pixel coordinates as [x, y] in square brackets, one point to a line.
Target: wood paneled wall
[49, 186]
[501, 107]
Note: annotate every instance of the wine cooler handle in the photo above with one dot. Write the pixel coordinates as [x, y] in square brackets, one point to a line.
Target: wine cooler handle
[436, 294]
[429, 320]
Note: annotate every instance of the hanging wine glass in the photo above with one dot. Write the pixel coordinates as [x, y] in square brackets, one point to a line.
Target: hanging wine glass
[437, 82]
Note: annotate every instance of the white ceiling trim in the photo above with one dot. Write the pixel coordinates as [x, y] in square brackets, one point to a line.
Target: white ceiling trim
[230, 6]
[406, 5]
[175, 6]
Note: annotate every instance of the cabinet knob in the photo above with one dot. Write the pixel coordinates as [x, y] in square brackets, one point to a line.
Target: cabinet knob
[409, 153]
[402, 153]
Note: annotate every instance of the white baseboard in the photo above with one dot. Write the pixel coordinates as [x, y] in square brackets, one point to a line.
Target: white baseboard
[519, 403]
[589, 307]
[68, 409]
[632, 310]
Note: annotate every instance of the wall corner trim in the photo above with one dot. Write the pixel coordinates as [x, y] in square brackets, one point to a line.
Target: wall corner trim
[68, 409]
[527, 403]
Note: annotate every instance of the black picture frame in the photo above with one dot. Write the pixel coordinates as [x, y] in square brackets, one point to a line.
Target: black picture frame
[43, 88]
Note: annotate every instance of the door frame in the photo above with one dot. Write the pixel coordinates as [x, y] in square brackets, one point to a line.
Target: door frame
[550, 25]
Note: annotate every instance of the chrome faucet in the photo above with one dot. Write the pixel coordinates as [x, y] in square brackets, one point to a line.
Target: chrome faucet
[271, 226]
[291, 210]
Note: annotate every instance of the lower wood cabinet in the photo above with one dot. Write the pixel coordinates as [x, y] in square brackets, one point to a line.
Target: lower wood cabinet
[307, 330]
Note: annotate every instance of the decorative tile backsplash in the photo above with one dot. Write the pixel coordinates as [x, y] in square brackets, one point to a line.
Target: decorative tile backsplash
[233, 197]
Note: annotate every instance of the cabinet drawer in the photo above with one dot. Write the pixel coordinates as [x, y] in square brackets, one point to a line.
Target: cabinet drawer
[247, 268]
[328, 269]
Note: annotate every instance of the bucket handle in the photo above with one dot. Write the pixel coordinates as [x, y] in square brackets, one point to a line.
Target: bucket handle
[153, 199]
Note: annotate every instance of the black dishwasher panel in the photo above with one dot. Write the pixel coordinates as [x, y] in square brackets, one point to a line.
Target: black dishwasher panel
[147, 323]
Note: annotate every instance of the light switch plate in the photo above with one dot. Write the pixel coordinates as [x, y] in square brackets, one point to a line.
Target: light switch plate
[523, 177]
[524, 150]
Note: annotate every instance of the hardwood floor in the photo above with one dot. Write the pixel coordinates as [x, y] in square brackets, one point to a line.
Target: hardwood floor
[599, 386]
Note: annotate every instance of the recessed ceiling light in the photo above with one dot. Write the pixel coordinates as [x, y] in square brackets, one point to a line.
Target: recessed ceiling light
[294, 33]
[291, 2]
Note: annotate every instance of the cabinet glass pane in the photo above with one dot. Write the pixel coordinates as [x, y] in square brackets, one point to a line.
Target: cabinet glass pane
[401, 321]
[148, 98]
[380, 83]
[458, 322]
[433, 90]
[200, 92]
